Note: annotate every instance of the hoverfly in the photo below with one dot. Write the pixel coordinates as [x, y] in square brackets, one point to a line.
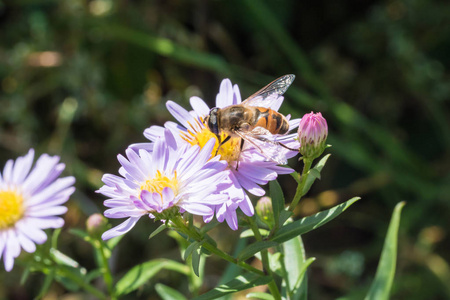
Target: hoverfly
[254, 121]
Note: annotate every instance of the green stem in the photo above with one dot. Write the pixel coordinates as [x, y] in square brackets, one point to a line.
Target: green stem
[273, 288]
[106, 271]
[299, 193]
[181, 226]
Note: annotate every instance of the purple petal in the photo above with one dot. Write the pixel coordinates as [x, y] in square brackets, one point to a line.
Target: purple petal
[180, 113]
[120, 229]
[199, 106]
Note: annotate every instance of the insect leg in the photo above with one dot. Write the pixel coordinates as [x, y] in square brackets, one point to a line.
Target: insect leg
[221, 142]
[239, 155]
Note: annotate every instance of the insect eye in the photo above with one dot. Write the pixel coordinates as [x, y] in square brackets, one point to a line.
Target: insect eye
[212, 121]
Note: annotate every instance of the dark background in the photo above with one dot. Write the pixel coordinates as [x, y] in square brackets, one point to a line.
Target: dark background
[83, 79]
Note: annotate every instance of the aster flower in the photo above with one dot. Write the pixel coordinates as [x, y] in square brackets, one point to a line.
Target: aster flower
[312, 134]
[254, 168]
[30, 202]
[162, 183]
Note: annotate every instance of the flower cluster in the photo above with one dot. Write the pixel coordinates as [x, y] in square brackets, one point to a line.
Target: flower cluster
[246, 170]
[30, 201]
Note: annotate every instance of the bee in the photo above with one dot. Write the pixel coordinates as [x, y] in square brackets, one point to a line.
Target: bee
[253, 120]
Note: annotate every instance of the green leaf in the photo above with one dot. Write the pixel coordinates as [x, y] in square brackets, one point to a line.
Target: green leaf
[381, 286]
[294, 269]
[275, 263]
[284, 216]
[62, 259]
[259, 295]
[94, 274]
[168, 293]
[251, 249]
[25, 275]
[307, 224]
[196, 254]
[46, 285]
[112, 243]
[314, 173]
[80, 233]
[208, 226]
[249, 233]
[142, 273]
[190, 249]
[240, 283]
[276, 194]
[157, 230]
[293, 259]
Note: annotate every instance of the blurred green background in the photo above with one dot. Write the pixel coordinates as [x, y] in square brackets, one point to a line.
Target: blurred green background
[83, 79]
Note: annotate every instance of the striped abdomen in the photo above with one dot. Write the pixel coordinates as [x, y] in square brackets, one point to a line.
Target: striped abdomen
[273, 121]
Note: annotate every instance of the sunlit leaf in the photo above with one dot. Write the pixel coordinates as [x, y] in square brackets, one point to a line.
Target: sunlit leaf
[307, 224]
[259, 295]
[168, 293]
[240, 283]
[249, 233]
[381, 286]
[142, 273]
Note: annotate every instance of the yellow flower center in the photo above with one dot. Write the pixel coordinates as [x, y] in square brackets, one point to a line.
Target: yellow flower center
[11, 208]
[159, 182]
[229, 151]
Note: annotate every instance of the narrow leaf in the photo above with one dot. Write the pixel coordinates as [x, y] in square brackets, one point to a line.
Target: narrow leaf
[25, 275]
[259, 295]
[240, 283]
[314, 173]
[46, 285]
[190, 249]
[251, 249]
[168, 293]
[80, 233]
[249, 233]
[307, 224]
[284, 216]
[293, 259]
[196, 254]
[142, 273]
[276, 194]
[158, 230]
[381, 286]
[112, 243]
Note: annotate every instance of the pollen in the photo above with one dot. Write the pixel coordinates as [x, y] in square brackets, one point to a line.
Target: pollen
[229, 151]
[12, 209]
[159, 182]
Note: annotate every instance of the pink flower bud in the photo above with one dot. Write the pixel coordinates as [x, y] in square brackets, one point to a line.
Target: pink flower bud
[312, 134]
[96, 224]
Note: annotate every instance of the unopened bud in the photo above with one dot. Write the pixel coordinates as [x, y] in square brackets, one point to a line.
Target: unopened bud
[96, 224]
[265, 212]
[312, 134]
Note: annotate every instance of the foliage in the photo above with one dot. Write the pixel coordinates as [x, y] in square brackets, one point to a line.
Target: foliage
[83, 79]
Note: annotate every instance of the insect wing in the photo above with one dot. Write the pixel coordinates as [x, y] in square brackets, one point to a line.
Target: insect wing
[271, 93]
[263, 140]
